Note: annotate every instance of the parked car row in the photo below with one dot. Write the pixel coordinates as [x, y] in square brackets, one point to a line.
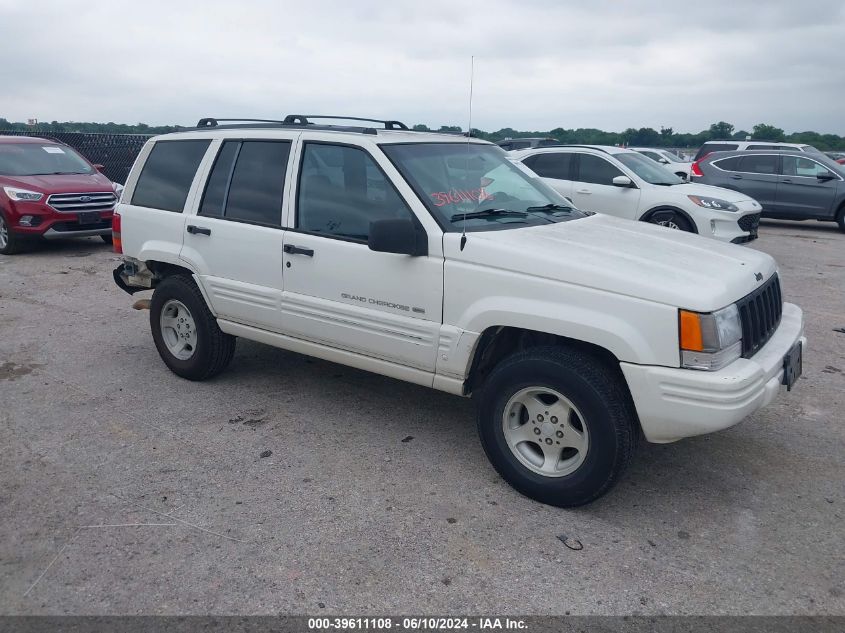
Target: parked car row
[48, 191]
[437, 260]
[625, 183]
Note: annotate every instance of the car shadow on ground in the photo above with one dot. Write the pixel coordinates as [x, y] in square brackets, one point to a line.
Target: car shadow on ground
[695, 472]
[71, 247]
[802, 225]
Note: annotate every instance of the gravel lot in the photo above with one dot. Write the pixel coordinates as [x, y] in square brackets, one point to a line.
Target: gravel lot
[128, 490]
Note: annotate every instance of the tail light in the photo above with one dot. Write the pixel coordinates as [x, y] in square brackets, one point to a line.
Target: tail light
[695, 169]
[115, 234]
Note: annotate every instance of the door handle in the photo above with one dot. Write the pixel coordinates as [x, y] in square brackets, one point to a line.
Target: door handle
[198, 230]
[298, 250]
[786, 180]
[736, 177]
[584, 191]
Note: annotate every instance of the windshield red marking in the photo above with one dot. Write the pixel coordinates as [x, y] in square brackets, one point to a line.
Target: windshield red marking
[455, 196]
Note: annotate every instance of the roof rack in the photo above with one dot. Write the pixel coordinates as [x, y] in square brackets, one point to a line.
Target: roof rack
[598, 148]
[302, 121]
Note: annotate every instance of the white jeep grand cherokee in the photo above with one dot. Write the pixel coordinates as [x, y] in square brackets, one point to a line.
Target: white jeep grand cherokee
[434, 259]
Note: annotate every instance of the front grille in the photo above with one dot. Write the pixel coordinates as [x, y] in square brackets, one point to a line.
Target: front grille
[760, 314]
[749, 222]
[75, 202]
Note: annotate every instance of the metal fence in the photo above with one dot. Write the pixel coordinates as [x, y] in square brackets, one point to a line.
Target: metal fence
[116, 152]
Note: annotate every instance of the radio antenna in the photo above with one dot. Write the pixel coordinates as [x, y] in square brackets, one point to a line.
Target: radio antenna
[469, 136]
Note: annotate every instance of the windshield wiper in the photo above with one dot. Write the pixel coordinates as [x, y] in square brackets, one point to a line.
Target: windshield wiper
[550, 207]
[488, 213]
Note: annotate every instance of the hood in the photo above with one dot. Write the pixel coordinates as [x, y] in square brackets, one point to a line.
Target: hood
[637, 259]
[696, 189]
[56, 183]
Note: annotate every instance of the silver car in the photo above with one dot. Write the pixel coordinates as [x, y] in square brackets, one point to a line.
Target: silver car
[790, 185]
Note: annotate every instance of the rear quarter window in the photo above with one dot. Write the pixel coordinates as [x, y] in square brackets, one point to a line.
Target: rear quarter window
[167, 174]
[728, 164]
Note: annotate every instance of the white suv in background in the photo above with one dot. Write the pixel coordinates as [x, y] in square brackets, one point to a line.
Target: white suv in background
[434, 259]
[669, 160]
[626, 184]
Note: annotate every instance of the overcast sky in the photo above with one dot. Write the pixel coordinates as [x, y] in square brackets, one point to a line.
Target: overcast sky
[539, 64]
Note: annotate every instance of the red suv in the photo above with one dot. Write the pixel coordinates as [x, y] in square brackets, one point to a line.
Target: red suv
[47, 190]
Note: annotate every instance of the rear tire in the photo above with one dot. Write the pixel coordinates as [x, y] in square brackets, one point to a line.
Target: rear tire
[840, 218]
[10, 242]
[185, 332]
[557, 424]
[671, 220]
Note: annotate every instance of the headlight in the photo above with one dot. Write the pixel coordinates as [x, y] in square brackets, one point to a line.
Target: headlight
[118, 189]
[713, 203]
[22, 195]
[710, 341]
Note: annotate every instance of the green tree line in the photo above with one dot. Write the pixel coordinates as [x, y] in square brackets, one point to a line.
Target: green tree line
[644, 136]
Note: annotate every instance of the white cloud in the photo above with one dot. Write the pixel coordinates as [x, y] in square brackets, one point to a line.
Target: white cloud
[539, 64]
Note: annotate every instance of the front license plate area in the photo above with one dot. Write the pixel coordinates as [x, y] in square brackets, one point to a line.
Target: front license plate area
[792, 365]
[90, 217]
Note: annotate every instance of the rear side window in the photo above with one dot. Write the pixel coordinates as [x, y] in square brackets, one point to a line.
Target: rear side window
[728, 164]
[768, 147]
[550, 165]
[247, 182]
[758, 164]
[168, 173]
[596, 170]
[715, 147]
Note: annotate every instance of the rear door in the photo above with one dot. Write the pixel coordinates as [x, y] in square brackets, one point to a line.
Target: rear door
[593, 189]
[756, 175]
[234, 241]
[555, 168]
[801, 193]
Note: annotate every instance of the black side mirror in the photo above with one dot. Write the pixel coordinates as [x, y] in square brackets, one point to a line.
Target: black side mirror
[402, 236]
[825, 176]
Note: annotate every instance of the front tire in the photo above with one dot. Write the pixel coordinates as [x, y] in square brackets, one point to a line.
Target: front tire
[671, 220]
[840, 218]
[106, 238]
[185, 332]
[557, 424]
[10, 243]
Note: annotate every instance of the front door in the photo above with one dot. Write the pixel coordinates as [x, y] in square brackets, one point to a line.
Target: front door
[337, 291]
[806, 189]
[593, 189]
[235, 239]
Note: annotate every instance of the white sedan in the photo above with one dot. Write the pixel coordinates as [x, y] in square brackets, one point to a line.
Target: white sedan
[669, 160]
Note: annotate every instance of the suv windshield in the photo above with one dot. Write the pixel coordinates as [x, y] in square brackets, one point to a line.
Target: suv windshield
[477, 181]
[647, 169]
[39, 159]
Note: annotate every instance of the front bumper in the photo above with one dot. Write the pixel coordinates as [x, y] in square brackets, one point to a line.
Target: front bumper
[52, 224]
[737, 227]
[673, 403]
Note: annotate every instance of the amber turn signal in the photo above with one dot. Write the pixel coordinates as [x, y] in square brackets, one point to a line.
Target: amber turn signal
[690, 330]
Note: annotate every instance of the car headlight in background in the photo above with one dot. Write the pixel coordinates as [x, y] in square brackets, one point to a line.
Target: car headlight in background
[118, 189]
[713, 203]
[22, 195]
[710, 341]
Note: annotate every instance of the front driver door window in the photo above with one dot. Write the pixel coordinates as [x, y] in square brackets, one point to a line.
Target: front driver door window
[337, 291]
[800, 192]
